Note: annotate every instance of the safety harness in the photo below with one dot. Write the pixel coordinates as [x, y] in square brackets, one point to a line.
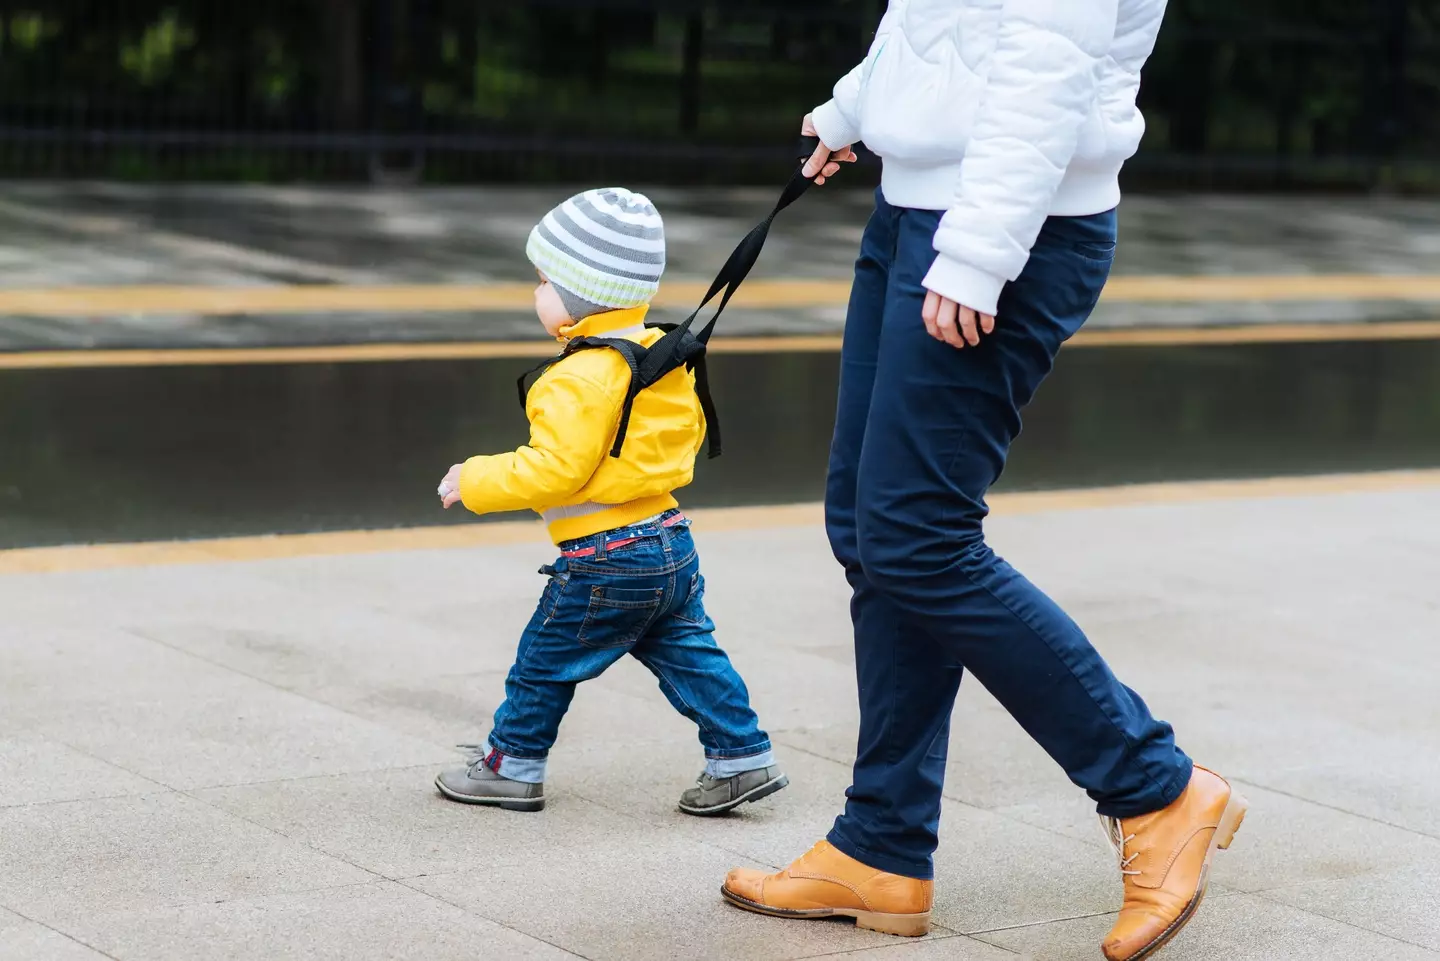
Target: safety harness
[679, 347]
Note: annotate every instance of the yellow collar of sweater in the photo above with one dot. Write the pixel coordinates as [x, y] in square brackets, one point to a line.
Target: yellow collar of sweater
[598, 325]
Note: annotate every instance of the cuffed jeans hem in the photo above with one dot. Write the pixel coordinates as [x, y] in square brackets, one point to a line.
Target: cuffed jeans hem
[920, 870]
[527, 770]
[722, 767]
[1151, 803]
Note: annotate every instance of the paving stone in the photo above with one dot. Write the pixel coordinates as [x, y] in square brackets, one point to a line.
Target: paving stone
[36, 770]
[1235, 928]
[953, 948]
[992, 761]
[990, 871]
[66, 861]
[633, 896]
[395, 824]
[181, 721]
[361, 922]
[1284, 841]
[22, 940]
[304, 707]
[1396, 901]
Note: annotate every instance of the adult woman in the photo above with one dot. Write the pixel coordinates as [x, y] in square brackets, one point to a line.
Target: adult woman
[1002, 125]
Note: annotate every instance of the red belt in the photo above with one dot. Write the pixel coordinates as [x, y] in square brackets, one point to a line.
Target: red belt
[622, 542]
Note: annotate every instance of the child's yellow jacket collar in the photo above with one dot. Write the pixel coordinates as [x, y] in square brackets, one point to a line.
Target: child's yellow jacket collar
[598, 325]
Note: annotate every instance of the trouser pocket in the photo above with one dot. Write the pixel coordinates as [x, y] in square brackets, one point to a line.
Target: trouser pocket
[619, 616]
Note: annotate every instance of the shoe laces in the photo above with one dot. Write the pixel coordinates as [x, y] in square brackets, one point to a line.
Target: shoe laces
[474, 755]
[1115, 834]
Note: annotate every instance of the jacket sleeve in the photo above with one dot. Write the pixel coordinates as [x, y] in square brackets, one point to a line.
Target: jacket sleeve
[837, 121]
[1040, 89]
[572, 422]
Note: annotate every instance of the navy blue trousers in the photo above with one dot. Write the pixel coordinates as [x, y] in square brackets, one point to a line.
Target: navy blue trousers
[922, 432]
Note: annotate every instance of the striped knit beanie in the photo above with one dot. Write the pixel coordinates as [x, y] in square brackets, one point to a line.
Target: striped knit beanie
[602, 250]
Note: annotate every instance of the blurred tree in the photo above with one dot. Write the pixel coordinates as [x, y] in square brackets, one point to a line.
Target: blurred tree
[1282, 81]
[342, 80]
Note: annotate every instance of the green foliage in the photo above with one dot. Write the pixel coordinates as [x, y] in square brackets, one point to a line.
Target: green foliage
[152, 58]
[1305, 81]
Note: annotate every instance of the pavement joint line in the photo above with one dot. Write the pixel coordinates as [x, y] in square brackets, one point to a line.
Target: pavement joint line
[495, 921]
[188, 793]
[938, 932]
[766, 294]
[161, 791]
[161, 788]
[649, 823]
[274, 686]
[378, 877]
[1263, 895]
[1212, 896]
[1337, 809]
[64, 934]
[85, 557]
[408, 352]
[224, 812]
[1069, 917]
[779, 738]
[265, 782]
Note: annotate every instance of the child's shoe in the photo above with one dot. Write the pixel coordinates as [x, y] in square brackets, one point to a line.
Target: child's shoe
[477, 784]
[711, 795]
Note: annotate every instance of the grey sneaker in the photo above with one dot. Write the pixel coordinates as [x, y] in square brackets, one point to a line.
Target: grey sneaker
[711, 796]
[477, 784]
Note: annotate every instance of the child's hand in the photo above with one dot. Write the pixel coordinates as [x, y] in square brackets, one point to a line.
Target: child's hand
[449, 490]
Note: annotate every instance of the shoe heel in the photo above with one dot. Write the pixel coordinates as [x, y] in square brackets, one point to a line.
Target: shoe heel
[779, 784]
[526, 806]
[1231, 820]
[901, 925]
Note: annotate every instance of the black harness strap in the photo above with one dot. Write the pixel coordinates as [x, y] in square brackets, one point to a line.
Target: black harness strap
[633, 354]
[679, 346]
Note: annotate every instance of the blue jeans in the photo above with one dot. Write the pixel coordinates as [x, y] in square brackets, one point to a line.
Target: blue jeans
[643, 597]
[922, 433]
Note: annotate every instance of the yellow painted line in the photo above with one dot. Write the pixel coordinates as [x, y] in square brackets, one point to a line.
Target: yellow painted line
[334, 354]
[757, 294]
[1184, 492]
[82, 557]
[345, 298]
[1257, 334]
[820, 343]
[1295, 287]
[85, 557]
[361, 353]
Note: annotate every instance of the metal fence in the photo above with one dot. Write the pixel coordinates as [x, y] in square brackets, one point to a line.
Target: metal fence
[1264, 93]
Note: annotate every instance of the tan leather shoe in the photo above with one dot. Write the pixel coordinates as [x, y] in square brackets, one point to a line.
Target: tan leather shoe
[1165, 860]
[824, 883]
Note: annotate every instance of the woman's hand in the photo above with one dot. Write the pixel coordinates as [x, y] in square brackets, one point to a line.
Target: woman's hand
[825, 161]
[955, 324]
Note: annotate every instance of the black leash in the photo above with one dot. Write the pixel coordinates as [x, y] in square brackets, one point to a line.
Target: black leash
[679, 346]
[747, 252]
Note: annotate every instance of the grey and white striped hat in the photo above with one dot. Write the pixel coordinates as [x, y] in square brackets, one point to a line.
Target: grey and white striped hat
[604, 248]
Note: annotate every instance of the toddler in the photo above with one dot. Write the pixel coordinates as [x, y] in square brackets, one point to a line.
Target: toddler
[628, 577]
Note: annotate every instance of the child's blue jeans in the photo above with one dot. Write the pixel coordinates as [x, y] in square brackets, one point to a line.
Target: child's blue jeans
[636, 590]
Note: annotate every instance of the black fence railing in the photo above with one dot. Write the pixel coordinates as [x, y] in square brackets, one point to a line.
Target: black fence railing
[1240, 93]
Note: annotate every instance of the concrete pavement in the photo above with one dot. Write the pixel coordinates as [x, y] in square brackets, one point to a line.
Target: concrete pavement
[233, 760]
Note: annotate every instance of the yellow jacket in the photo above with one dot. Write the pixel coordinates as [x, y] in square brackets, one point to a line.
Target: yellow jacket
[566, 472]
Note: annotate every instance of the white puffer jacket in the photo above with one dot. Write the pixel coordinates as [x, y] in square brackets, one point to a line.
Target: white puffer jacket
[999, 112]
